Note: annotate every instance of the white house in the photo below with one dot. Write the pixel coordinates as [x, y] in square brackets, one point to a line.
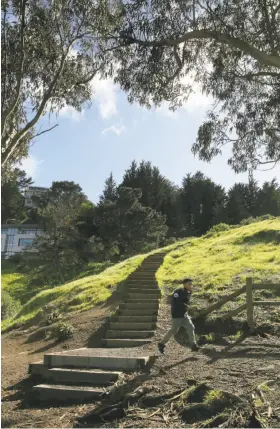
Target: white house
[16, 238]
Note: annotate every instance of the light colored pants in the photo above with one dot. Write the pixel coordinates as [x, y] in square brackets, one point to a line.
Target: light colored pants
[185, 322]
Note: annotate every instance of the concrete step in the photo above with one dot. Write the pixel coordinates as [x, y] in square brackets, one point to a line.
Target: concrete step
[147, 291]
[74, 376]
[132, 326]
[95, 358]
[117, 342]
[136, 305]
[62, 393]
[137, 312]
[139, 285]
[129, 319]
[142, 297]
[129, 334]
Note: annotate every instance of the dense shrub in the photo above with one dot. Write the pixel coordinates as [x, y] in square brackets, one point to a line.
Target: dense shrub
[9, 306]
[252, 219]
[220, 227]
[63, 331]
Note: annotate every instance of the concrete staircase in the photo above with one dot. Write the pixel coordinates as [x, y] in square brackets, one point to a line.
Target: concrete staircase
[86, 374]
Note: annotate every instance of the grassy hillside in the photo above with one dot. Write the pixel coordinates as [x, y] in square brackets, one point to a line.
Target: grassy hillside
[78, 295]
[218, 261]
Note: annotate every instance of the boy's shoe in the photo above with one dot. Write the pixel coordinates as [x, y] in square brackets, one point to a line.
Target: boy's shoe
[194, 348]
[161, 347]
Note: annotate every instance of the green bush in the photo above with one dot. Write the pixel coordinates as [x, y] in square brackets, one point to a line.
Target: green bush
[170, 240]
[266, 217]
[220, 227]
[248, 221]
[62, 331]
[252, 219]
[9, 306]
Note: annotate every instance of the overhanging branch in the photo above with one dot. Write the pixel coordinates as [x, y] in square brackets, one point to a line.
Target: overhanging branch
[242, 45]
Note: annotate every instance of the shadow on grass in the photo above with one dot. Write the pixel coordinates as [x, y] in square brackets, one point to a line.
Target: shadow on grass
[270, 236]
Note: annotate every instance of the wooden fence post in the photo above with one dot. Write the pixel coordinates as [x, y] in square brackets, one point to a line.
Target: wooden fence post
[249, 297]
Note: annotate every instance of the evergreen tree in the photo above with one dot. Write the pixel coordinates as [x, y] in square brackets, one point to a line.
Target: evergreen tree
[268, 199]
[12, 199]
[237, 207]
[202, 204]
[126, 226]
[157, 191]
[110, 190]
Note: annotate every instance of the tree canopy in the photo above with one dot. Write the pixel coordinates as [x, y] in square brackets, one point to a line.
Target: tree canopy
[51, 51]
[231, 48]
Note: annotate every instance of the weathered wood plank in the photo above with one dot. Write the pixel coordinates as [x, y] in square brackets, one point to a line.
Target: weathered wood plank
[249, 298]
[235, 311]
[258, 286]
[276, 303]
[220, 303]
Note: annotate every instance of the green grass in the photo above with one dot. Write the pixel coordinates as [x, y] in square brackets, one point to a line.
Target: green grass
[212, 395]
[78, 295]
[14, 283]
[223, 260]
[217, 262]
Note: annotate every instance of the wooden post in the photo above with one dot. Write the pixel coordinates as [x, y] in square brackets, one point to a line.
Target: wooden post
[250, 306]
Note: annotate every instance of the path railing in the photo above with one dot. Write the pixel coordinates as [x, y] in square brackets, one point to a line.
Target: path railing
[249, 304]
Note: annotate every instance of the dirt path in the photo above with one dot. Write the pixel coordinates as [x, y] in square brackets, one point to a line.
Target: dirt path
[18, 352]
[256, 361]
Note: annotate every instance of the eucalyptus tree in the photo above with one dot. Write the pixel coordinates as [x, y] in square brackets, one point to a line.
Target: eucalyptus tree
[230, 47]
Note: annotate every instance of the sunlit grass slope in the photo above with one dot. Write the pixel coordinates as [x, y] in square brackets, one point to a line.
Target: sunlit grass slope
[216, 262]
[224, 259]
[78, 295]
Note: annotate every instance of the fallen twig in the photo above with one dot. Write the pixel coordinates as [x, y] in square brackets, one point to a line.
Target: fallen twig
[154, 413]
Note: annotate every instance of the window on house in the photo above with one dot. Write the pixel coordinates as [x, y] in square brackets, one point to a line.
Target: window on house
[25, 242]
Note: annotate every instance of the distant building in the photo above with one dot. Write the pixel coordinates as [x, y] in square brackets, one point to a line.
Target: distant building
[16, 238]
[33, 191]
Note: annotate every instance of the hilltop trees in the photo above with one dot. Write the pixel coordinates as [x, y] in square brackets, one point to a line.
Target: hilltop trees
[157, 191]
[231, 49]
[201, 203]
[63, 248]
[126, 227]
[12, 200]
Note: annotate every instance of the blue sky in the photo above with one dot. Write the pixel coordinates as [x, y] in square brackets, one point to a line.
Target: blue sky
[86, 147]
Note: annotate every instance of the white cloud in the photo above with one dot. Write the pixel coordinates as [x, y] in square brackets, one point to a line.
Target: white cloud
[31, 166]
[105, 94]
[117, 129]
[71, 113]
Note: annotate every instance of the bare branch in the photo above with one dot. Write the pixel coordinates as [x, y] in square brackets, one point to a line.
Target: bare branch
[45, 131]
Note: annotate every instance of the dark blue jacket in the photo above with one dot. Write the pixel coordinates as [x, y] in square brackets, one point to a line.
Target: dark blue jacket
[180, 299]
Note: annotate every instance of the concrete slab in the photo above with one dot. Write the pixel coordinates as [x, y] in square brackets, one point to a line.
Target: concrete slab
[74, 376]
[145, 291]
[142, 296]
[116, 342]
[97, 358]
[129, 334]
[137, 305]
[139, 319]
[58, 393]
[138, 312]
[132, 326]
